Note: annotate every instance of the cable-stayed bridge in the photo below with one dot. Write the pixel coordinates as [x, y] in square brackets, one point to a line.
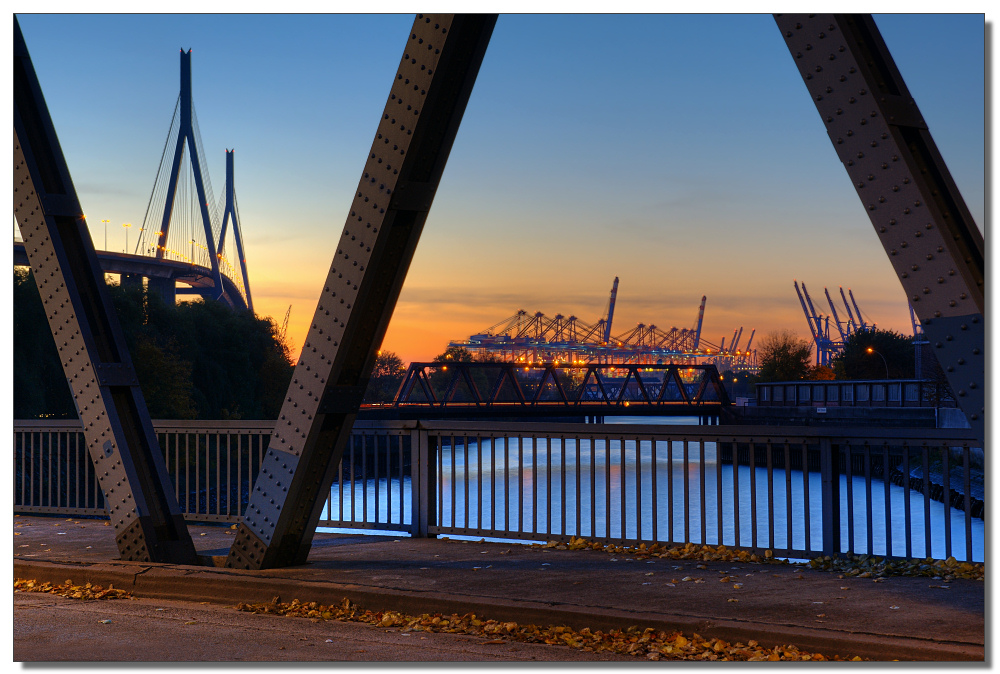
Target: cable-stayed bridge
[187, 236]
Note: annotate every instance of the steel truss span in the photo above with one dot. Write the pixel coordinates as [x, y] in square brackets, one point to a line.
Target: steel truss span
[512, 390]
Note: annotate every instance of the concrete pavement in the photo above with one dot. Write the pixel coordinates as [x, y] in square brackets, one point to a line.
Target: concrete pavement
[56, 629]
[902, 618]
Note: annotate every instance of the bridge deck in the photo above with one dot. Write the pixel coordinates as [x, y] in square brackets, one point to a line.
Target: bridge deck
[817, 611]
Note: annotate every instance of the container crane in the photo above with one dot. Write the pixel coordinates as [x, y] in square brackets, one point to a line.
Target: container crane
[701, 317]
[284, 323]
[855, 323]
[864, 326]
[538, 338]
[815, 329]
[836, 318]
[825, 347]
[611, 311]
[736, 341]
[918, 330]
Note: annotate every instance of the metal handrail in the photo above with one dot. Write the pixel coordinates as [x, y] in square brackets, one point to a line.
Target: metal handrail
[551, 481]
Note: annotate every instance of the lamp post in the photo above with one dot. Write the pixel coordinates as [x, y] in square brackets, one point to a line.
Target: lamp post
[127, 226]
[871, 350]
[105, 233]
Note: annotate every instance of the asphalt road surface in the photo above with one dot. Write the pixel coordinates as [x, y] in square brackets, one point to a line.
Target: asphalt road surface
[50, 628]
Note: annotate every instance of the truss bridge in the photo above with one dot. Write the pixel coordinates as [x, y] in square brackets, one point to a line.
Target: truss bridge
[598, 389]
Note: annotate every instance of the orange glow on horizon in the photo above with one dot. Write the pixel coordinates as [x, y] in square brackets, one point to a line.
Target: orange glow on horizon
[414, 337]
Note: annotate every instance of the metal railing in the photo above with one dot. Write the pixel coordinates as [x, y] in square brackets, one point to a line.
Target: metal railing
[873, 393]
[799, 492]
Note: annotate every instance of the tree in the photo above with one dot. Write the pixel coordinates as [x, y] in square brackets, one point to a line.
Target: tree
[457, 354]
[738, 384]
[387, 375]
[441, 378]
[40, 387]
[864, 351]
[783, 357]
[822, 373]
[193, 360]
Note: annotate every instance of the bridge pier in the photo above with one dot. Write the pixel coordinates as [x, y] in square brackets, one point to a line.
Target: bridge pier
[166, 288]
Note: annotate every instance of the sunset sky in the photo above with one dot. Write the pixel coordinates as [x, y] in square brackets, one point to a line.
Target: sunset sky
[679, 153]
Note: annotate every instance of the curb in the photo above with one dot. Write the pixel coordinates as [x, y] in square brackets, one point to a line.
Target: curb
[230, 586]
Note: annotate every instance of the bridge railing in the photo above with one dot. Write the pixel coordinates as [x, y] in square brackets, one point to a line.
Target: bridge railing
[798, 492]
[867, 393]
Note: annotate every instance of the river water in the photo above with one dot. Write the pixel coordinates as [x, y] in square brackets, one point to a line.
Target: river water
[556, 469]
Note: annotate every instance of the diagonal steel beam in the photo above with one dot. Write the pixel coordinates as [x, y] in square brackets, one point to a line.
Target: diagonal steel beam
[137, 490]
[913, 203]
[426, 102]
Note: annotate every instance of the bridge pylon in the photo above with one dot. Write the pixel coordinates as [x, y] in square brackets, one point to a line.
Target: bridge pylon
[186, 134]
[231, 213]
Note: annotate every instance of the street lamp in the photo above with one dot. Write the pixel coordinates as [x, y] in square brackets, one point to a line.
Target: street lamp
[871, 350]
[105, 233]
[127, 226]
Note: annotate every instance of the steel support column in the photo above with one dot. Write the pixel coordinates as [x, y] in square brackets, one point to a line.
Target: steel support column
[912, 201]
[120, 438]
[414, 137]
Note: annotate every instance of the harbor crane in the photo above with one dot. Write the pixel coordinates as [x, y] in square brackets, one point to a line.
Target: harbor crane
[533, 338]
[819, 325]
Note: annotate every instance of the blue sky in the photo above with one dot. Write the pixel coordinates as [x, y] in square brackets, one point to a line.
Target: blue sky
[680, 153]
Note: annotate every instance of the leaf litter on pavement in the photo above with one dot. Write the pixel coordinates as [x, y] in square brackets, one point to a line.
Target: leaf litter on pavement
[68, 589]
[860, 566]
[649, 643]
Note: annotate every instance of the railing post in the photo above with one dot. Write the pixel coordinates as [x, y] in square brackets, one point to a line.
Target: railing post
[830, 475]
[423, 475]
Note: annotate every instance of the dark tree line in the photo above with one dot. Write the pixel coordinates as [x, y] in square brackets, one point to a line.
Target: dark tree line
[867, 354]
[194, 360]
[387, 375]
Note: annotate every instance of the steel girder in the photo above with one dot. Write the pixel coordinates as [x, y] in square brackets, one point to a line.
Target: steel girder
[530, 391]
[414, 137]
[899, 175]
[137, 490]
